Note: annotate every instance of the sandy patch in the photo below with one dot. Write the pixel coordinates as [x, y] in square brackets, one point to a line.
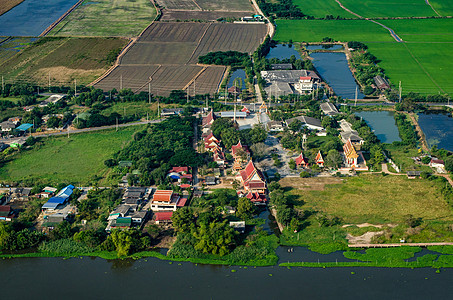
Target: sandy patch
[60, 75]
[369, 225]
[309, 184]
[364, 238]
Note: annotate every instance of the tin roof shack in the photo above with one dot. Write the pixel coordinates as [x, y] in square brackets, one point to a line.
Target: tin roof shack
[171, 111]
[163, 217]
[238, 226]
[329, 109]
[309, 122]
[381, 83]
[281, 66]
[6, 213]
[413, 174]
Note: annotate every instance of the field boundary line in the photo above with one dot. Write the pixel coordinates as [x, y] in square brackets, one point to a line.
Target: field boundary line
[126, 48]
[150, 78]
[423, 69]
[399, 245]
[427, 2]
[194, 78]
[194, 2]
[54, 24]
[198, 44]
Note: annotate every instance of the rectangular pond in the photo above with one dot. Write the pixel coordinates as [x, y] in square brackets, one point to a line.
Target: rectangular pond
[238, 77]
[383, 125]
[333, 68]
[32, 17]
[282, 51]
[324, 47]
[438, 129]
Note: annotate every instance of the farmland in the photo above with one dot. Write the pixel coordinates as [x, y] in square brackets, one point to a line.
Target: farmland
[11, 46]
[106, 18]
[422, 64]
[207, 5]
[389, 8]
[319, 9]
[6, 5]
[65, 59]
[79, 159]
[166, 56]
[174, 15]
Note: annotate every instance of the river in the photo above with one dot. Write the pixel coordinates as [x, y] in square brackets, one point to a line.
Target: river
[32, 17]
[89, 278]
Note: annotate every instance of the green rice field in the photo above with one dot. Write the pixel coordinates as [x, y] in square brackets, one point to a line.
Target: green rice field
[390, 8]
[423, 63]
[319, 9]
[78, 159]
[107, 18]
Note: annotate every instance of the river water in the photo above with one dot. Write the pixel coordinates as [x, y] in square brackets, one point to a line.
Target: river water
[32, 17]
[438, 129]
[89, 278]
[383, 125]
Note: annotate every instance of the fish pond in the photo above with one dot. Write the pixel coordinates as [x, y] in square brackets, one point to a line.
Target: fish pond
[237, 77]
[331, 47]
[283, 51]
[438, 128]
[383, 124]
[333, 68]
[32, 17]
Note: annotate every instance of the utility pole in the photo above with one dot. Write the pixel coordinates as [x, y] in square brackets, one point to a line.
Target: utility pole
[75, 87]
[116, 124]
[400, 89]
[49, 81]
[121, 82]
[3, 86]
[149, 92]
[68, 131]
[355, 96]
[194, 88]
[158, 108]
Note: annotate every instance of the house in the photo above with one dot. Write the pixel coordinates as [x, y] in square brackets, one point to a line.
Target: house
[329, 109]
[252, 179]
[301, 161]
[381, 83]
[49, 189]
[15, 120]
[6, 213]
[219, 157]
[284, 82]
[305, 84]
[256, 198]
[238, 226]
[413, 174]
[208, 120]
[138, 217]
[309, 122]
[240, 152]
[281, 66]
[319, 160]
[121, 223]
[163, 217]
[61, 198]
[180, 170]
[210, 180]
[436, 163]
[350, 154]
[234, 90]
[246, 110]
[233, 114]
[56, 218]
[7, 126]
[164, 200]
[171, 111]
[275, 126]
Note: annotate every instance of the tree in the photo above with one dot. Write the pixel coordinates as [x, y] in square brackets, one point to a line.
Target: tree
[449, 164]
[259, 150]
[246, 208]
[304, 174]
[292, 164]
[123, 242]
[284, 215]
[295, 125]
[426, 160]
[333, 159]
[183, 219]
[215, 237]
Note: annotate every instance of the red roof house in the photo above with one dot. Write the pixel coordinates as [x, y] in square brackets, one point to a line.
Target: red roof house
[209, 119]
[183, 170]
[301, 161]
[163, 217]
[256, 198]
[252, 179]
[319, 160]
[235, 150]
[245, 109]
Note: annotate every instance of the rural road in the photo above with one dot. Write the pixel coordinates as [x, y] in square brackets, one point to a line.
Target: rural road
[392, 32]
[270, 26]
[97, 128]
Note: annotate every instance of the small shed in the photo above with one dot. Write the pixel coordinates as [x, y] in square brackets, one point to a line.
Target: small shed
[413, 174]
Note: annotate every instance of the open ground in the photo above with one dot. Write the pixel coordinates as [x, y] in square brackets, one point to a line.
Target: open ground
[63, 60]
[166, 56]
[107, 18]
[78, 159]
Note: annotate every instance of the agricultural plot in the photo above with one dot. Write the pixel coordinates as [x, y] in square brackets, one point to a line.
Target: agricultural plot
[174, 32]
[6, 5]
[167, 53]
[179, 4]
[423, 30]
[390, 8]
[64, 59]
[159, 53]
[11, 46]
[128, 77]
[236, 37]
[107, 18]
[79, 159]
[444, 8]
[174, 15]
[226, 5]
[319, 9]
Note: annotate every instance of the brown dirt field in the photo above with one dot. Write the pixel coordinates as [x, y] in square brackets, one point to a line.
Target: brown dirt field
[6, 5]
[308, 184]
[208, 81]
[172, 15]
[235, 37]
[174, 32]
[226, 5]
[134, 77]
[159, 53]
[178, 4]
[64, 74]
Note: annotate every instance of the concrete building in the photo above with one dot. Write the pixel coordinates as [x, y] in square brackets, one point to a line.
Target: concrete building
[285, 82]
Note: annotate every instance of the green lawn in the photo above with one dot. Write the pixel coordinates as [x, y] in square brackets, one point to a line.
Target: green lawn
[78, 159]
[378, 199]
[401, 155]
[107, 18]
[139, 109]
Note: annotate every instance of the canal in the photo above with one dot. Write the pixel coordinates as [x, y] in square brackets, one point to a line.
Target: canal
[94, 278]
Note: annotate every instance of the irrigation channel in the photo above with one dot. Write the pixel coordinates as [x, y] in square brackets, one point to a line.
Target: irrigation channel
[17, 21]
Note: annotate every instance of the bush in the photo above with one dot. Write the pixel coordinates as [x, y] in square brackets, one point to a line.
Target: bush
[304, 174]
[64, 246]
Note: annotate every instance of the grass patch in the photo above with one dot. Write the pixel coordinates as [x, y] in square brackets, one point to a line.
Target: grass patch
[107, 18]
[138, 109]
[401, 155]
[65, 59]
[78, 159]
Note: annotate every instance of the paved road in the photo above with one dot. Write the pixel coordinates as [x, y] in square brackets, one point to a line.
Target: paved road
[97, 128]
